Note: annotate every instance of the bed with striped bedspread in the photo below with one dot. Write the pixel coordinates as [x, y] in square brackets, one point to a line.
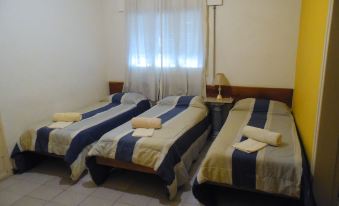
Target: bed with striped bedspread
[74, 141]
[171, 149]
[272, 170]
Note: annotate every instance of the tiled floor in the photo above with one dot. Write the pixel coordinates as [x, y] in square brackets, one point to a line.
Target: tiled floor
[49, 184]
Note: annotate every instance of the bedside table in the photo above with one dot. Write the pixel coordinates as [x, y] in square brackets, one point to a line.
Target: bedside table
[219, 110]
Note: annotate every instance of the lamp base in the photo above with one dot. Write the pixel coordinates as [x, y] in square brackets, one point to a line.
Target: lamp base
[219, 97]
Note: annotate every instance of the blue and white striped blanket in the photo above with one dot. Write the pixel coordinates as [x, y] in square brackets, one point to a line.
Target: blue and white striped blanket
[169, 152]
[276, 170]
[74, 141]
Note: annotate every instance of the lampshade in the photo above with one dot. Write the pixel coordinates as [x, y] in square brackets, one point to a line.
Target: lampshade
[220, 79]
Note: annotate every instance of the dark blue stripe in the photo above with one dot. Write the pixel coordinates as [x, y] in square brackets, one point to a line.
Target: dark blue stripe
[42, 138]
[99, 110]
[127, 143]
[261, 105]
[41, 143]
[244, 164]
[125, 147]
[184, 101]
[180, 146]
[116, 99]
[92, 134]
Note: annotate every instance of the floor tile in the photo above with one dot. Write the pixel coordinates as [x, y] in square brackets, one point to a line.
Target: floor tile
[29, 201]
[52, 203]
[9, 181]
[8, 198]
[23, 187]
[60, 183]
[69, 198]
[121, 204]
[134, 199]
[35, 177]
[162, 202]
[86, 178]
[187, 204]
[92, 201]
[187, 197]
[86, 188]
[107, 193]
[45, 192]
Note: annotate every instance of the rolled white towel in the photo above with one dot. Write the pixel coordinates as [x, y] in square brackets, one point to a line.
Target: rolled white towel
[144, 122]
[262, 135]
[67, 117]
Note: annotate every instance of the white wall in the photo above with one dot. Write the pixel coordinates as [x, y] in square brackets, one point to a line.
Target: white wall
[57, 55]
[51, 60]
[256, 41]
[116, 41]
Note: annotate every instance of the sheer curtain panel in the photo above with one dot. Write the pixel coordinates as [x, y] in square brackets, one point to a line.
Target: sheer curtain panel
[166, 47]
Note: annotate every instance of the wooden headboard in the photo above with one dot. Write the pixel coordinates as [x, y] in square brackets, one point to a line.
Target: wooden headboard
[115, 87]
[284, 95]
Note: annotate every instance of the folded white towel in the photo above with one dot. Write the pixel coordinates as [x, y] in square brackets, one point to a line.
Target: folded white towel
[249, 145]
[262, 135]
[59, 125]
[142, 132]
[67, 117]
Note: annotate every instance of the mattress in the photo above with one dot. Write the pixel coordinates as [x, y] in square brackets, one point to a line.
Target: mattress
[184, 121]
[74, 141]
[275, 170]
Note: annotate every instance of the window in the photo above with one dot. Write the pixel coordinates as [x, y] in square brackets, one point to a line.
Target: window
[164, 43]
[166, 47]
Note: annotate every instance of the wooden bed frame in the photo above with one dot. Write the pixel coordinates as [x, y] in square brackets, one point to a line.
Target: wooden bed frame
[281, 94]
[124, 165]
[284, 95]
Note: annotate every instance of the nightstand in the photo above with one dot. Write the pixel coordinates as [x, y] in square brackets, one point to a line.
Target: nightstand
[218, 110]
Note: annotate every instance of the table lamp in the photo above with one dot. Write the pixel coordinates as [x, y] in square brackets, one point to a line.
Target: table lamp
[220, 80]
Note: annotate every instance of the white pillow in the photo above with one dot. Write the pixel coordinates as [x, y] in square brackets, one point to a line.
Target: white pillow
[276, 107]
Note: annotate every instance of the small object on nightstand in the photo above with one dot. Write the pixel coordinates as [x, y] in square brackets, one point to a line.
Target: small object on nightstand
[220, 80]
[219, 109]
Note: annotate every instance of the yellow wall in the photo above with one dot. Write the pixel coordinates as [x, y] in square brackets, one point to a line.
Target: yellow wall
[313, 25]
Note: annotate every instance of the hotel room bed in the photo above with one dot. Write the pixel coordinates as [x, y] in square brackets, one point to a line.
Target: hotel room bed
[169, 153]
[273, 170]
[74, 141]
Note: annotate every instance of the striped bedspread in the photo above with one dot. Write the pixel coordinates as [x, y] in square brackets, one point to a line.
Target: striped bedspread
[184, 121]
[74, 141]
[276, 170]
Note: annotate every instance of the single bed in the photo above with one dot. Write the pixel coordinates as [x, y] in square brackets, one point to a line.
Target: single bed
[169, 153]
[273, 170]
[74, 141]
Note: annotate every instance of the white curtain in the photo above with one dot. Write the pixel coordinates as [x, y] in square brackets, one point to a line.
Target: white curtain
[166, 47]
